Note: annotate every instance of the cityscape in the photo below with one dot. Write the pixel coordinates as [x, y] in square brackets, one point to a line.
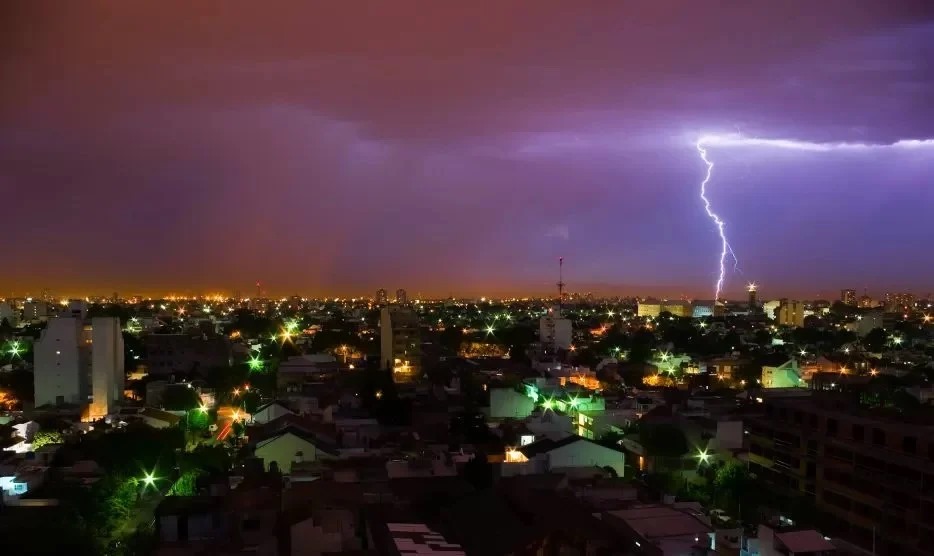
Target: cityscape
[413, 278]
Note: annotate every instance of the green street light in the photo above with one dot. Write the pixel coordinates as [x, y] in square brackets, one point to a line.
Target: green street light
[703, 456]
[255, 363]
[148, 480]
[489, 329]
[15, 349]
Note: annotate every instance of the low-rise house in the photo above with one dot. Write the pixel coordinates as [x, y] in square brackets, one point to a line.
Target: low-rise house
[289, 445]
[158, 418]
[548, 455]
[270, 412]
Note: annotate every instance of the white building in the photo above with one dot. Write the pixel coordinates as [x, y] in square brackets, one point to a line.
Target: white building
[62, 366]
[77, 362]
[554, 330]
[6, 312]
[547, 455]
[107, 365]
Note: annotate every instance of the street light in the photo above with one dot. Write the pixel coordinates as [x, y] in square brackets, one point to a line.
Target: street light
[702, 456]
[255, 363]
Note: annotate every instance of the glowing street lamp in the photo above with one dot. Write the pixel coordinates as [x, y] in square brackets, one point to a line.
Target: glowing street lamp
[236, 391]
[14, 349]
[702, 456]
[490, 330]
[255, 363]
[148, 480]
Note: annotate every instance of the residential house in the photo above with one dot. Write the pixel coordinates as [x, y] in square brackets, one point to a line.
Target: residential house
[289, 445]
[546, 455]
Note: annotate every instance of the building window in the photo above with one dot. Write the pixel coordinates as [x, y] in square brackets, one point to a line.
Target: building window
[859, 433]
[832, 427]
[878, 437]
[910, 444]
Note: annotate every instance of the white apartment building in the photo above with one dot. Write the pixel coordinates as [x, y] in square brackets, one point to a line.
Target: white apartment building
[555, 330]
[77, 363]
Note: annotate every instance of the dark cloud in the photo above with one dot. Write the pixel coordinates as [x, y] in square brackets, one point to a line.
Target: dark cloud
[439, 146]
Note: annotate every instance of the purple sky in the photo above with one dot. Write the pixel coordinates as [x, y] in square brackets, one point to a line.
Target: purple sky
[461, 147]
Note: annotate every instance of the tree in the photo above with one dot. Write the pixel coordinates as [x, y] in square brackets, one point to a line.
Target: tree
[663, 440]
[643, 342]
[478, 471]
[875, 340]
[180, 398]
[43, 438]
[731, 483]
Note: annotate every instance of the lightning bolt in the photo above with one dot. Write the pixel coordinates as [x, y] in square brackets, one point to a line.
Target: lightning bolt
[718, 222]
[738, 140]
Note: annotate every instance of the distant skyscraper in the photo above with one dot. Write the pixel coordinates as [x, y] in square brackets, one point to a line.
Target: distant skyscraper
[401, 297]
[848, 297]
[382, 297]
[753, 291]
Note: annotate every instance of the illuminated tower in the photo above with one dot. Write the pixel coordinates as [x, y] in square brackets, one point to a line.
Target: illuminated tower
[752, 289]
[401, 297]
[560, 283]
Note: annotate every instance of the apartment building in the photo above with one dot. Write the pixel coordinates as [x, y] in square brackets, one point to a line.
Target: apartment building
[870, 474]
[400, 342]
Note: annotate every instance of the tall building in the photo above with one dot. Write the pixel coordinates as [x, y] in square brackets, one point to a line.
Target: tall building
[791, 313]
[35, 311]
[382, 297]
[62, 372]
[870, 474]
[899, 302]
[401, 297]
[848, 297]
[554, 331]
[7, 313]
[753, 291]
[400, 342]
[76, 362]
[107, 370]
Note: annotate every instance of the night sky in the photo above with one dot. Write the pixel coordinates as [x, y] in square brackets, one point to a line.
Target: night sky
[462, 147]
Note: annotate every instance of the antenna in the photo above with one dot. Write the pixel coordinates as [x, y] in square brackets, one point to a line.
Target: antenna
[560, 283]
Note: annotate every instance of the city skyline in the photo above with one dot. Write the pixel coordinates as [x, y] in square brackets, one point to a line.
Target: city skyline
[464, 150]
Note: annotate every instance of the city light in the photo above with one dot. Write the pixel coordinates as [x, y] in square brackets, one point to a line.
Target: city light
[14, 348]
[255, 363]
[489, 330]
[702, 456]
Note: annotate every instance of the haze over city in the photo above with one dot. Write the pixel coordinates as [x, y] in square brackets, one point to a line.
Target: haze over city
[461, 149]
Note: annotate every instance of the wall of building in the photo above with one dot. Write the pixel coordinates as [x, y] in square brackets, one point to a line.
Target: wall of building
[283, 449]
[585, 454]
[61, 369]
[107, 372]
[507, 403]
